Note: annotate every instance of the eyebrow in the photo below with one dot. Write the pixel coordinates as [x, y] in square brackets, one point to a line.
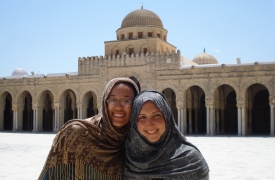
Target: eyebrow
[152, 113]
[124, 96]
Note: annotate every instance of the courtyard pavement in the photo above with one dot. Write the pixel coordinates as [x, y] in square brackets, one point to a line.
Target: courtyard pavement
[22, 155]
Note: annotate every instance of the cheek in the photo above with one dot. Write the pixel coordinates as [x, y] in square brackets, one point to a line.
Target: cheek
[140, 126]
[162, 126]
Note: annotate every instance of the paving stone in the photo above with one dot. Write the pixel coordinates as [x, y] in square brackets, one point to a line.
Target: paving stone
[22, 155]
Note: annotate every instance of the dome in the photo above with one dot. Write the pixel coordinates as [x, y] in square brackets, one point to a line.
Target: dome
[19, 72]
[205, 58]
[141, 17]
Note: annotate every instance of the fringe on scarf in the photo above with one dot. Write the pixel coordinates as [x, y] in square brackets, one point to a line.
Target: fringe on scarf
[68, 172]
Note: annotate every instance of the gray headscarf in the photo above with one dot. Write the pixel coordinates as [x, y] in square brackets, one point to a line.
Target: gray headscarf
[171, 157]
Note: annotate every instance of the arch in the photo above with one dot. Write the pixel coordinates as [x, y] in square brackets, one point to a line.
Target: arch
[21, 91]
[196, 110]
[178, 93]
[171, 98]
[130, 49]
[89, 104]
[25, 111]
[144, 48]
[85, 91]
[114, 50]
[255, 81]
[42, 90]
[46, 110]
[219, 83]
[68, 109]
[4, 90]
[257, 98]
[190, 84]
[65, 88]
[129, 74]
[6, 113]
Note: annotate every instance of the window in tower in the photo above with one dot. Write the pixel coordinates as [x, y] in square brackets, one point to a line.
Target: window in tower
[117, 52]
[139, 34]
[122, 36]
[131, 51]
[158, 35]
[150, 34]
[144, 50]
[130, 35]
[164, 38]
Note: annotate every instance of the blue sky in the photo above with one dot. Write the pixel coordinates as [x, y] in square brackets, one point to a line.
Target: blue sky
[49, 36]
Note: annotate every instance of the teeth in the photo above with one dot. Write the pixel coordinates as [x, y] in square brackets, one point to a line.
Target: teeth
[118, 115]
[151, 132]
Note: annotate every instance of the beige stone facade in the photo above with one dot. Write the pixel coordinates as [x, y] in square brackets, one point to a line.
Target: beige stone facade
[205, 97]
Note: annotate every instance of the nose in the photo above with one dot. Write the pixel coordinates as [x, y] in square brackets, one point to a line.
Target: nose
[149, 122]
[118, 104]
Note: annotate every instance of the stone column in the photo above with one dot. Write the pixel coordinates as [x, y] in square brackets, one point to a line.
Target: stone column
[222, 121]
[190, 119]
[56, 117]
[196, 120]
[249, 117]
[196, 107]
[272, 120]
[239, 120]
[207, 120]
[218, 121]
[15, 117]
[35, 119]
[212, 120]
[179, 118]
[2, 109]
[79, 110]
[210, 117]
[184, 124]
[244, 122]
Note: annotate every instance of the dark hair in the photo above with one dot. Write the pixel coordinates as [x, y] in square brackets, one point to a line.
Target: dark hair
[131, 85]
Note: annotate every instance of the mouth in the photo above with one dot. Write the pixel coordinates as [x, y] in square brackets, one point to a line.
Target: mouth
[151, 131]
[119, 115]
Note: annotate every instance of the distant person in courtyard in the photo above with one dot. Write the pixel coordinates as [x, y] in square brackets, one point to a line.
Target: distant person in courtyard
[155, 148]
[93, 148]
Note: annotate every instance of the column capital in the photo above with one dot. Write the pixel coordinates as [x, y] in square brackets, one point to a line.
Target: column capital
[79, 106]
[56, 105]
[272, 102]
[209, 103]
[14, 106]
[34, 105]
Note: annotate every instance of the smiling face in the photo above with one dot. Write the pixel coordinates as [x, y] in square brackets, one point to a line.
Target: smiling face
[151, 122]
[120, 115]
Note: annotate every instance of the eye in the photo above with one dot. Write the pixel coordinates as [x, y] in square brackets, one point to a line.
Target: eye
[142, 118]
[157, 115]
[127, 102]
[111, 101]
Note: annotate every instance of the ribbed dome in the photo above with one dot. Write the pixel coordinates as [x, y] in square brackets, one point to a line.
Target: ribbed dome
[141, 17]
[19, 72]
[205, 58]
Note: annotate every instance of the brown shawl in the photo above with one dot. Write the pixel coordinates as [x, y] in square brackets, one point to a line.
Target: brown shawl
[88, 149]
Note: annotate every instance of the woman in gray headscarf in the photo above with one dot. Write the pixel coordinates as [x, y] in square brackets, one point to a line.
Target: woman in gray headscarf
[155, 148]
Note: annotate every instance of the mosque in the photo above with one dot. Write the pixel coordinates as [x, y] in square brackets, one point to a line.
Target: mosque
[206, 97]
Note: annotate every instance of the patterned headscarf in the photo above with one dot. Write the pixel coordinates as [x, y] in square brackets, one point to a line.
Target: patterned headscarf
[89, 149]
[171, 157]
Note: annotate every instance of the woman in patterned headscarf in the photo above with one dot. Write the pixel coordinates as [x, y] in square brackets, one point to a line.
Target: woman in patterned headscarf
[155, 148]
[93, 148]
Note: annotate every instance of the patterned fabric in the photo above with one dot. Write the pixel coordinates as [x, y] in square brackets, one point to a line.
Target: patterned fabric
[88, 149]
[171, 157]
